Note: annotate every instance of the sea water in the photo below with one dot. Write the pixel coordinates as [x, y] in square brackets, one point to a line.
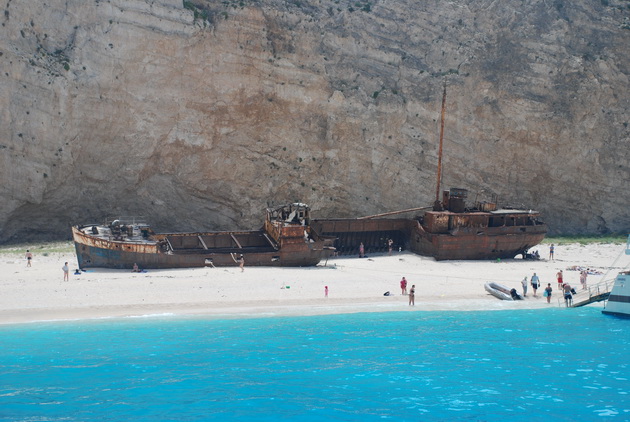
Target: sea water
[543, 365]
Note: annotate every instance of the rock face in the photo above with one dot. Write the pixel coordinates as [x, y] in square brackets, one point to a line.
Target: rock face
[199, 114]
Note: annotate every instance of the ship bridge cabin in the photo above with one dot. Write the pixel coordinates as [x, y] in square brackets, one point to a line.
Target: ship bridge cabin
[452, 214]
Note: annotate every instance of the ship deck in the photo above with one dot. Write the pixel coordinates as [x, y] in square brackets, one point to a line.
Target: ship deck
[105, 233]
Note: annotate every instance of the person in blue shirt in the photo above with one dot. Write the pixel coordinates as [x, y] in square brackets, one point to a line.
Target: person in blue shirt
[535, 281]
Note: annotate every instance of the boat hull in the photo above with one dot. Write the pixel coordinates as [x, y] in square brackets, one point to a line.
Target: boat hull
[504, 242]
[501, 292]
[618, 303]
[94, 252]
[489, 243]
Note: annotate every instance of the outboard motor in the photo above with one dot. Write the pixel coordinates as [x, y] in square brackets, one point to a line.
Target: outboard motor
[515, 295]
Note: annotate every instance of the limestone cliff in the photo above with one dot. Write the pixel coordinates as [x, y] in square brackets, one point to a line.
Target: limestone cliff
[199, 114]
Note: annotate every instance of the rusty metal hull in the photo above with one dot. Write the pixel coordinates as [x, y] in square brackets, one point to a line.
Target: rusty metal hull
[471, 238]
[502, 233]
[373, 233]
[475, 244]
[217, 249]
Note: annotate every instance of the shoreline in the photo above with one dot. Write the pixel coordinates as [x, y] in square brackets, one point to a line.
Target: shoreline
[39, 294]
[250, 310]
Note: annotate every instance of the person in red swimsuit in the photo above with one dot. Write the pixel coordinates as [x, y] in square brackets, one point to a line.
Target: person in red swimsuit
[403, 286]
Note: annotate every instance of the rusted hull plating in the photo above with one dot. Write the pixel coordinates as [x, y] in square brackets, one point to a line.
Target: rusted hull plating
[492, 243]
[198, 250]
[373, 233]
[461, 244]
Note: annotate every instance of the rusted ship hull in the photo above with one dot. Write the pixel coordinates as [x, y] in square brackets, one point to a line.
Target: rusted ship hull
[285, 240]
[123, 255]
[480, 234]
[458, 233]
[494, 243]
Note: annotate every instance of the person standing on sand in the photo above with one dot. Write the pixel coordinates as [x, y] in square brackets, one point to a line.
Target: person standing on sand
[559, 276]
[29, 258]
[390, 246]
[551, 250]
[547, 293]
[535, 283]
[325, 291]
[241, 262]
[412, 295]
[66, 272]
[361, 250]
[403, 286]
[583, 275]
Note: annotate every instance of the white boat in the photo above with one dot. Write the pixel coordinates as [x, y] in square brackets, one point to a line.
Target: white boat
[618, 302]
[502, 292]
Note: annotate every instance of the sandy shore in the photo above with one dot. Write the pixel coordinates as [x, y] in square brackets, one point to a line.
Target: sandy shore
[38, 293]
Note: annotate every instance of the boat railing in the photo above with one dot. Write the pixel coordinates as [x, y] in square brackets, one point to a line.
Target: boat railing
[593, 293]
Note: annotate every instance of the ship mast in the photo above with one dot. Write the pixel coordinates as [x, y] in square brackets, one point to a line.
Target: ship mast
[439, 169]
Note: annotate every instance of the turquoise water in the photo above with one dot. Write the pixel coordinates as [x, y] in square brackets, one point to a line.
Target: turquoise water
[554, 364]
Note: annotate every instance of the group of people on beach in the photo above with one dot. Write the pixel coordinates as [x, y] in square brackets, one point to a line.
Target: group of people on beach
[66, 268]
[403, 283]
[566, 288]
[563, 287]
[535, 283]
[390, 248]
[412, 291]
[403, 290]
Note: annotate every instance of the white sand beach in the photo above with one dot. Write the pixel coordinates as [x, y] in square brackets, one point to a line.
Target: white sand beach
[38, 293]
